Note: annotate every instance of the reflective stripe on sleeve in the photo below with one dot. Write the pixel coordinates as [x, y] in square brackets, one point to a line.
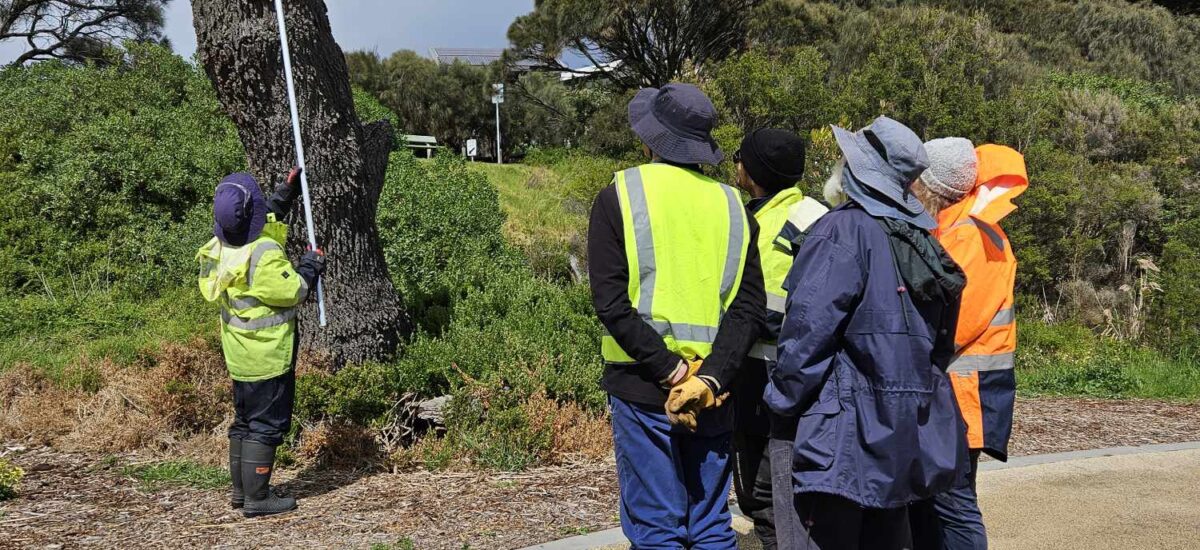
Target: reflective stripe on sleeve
[776, 303]
[302, 292]
[1004, 317]
[968, 363]
[280, 318]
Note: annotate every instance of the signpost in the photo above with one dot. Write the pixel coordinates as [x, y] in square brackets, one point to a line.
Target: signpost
[497, 99]
[472, 148]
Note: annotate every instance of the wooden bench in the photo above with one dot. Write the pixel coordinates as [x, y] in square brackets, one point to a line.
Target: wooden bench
[428, 143]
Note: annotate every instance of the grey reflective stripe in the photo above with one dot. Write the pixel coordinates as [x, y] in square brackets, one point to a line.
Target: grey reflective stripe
[968, 363]
[302, 292]
[255, 256]
[764, 351]
[643, 240]
[682, 331]
[244, 303]
[776, 303]
[991, 234]
[207, 267]
[985, 229]
[260, 323]
[1004, 317]
[733, 253]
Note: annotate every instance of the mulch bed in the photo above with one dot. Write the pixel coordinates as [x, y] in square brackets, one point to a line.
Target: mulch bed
[74, 500]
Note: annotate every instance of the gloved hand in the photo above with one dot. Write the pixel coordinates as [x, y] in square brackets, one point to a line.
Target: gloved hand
[682, 371]
[694, 394]
[293, 177]
[313, 262]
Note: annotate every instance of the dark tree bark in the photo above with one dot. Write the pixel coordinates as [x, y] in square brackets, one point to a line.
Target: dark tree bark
[238, 43]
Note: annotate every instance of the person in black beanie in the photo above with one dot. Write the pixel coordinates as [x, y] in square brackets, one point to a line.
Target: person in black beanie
[769, 163]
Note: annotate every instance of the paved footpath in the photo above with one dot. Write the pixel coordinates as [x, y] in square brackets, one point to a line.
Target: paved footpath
[1120, 498]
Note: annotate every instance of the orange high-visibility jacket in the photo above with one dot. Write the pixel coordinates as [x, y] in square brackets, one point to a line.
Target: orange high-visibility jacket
[982, 369]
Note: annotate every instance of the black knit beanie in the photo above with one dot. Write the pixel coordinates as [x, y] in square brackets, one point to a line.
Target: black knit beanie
[773, 158]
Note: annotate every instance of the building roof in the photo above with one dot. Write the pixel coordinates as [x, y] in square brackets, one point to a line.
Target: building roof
[471, 56]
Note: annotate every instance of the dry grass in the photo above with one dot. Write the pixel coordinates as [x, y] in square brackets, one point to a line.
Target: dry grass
[577, 433]
[338, 444]
[176, 400]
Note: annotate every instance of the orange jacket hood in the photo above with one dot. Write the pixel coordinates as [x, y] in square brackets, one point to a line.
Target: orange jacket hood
[1001, 178]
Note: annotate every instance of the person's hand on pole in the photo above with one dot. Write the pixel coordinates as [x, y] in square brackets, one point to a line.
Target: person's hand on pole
[293, 177]
[315, 259]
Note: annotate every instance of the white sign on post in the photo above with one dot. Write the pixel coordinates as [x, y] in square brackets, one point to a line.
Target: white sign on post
[472, 148]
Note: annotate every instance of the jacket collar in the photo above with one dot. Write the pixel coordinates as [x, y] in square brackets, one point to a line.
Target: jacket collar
[782, 197]
[1002, 178]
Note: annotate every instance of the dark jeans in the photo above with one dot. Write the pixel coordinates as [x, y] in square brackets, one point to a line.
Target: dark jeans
[835, 523]
[263, 409]
[789, 533]
[951, 520]
[752, 461]
[752, 483]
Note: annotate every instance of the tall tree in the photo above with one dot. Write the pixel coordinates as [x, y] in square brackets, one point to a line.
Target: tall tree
[77, 30]
[653, 40]
[238, 42]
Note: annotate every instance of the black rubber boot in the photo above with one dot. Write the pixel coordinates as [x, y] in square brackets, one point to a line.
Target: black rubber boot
[258, 461]
[236, 497]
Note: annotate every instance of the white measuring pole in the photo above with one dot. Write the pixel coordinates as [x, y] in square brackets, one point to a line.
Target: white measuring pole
[291, 88]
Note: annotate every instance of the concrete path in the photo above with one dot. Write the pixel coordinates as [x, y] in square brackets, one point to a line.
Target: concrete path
[1120, 498]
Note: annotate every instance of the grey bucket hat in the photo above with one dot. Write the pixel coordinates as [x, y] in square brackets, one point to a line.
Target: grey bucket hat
[886, 157]
[676, 122]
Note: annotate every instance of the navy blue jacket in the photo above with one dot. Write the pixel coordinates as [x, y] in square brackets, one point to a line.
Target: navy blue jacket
[877, 420]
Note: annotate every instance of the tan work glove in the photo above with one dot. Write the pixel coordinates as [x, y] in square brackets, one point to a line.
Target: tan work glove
[685, 370]
[691, 396]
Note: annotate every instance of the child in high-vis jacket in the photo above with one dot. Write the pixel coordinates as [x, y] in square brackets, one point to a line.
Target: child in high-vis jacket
[245, 269]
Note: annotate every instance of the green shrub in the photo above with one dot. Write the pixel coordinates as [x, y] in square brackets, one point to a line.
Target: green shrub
[108, 172]
[10, 476]
[494, 428]
[441, 227]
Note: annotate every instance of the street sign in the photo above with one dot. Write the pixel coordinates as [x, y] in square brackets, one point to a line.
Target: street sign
[472, 148]
[497, 93]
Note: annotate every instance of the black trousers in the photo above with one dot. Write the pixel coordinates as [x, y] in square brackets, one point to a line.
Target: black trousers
[263, 409]
[836, 523]
[752, 461]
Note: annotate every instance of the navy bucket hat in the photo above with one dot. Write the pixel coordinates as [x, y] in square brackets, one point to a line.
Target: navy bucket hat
[676, 122]
[886, 158]
[239, 210]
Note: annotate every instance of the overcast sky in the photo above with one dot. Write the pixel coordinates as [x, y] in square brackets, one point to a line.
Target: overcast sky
[380, 25]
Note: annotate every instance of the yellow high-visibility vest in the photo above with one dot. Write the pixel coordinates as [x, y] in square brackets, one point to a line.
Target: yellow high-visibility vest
[776, 251]
[686, 238]
[258, 290]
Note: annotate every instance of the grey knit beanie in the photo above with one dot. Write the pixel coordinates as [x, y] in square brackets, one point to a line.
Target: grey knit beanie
[952, 167]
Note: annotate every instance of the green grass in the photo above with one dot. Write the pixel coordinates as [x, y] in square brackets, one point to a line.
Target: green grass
[533, 198]
[51, 334]
[402, 544]
[177, 473]
[1067, 359]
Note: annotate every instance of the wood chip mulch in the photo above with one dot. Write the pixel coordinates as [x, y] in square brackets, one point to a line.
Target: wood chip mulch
[78, 500]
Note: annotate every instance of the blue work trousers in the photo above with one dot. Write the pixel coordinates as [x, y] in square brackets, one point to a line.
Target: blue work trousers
[674, 484]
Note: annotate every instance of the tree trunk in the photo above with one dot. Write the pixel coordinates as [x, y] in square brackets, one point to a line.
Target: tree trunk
[238, 44]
